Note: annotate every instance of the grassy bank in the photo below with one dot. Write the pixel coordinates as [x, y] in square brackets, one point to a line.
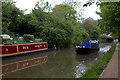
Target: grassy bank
[96, 69]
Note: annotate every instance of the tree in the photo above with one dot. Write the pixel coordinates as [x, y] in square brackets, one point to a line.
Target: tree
[65, 11]
[28, 37]
[90, 2]
[51, 28]
[110, 18]
[7, 1]
[76, 4]
[39, 19]
[91, 27]
[59, 32]
[10, 13]
[43, 5]
[26, 24]
[79, 35]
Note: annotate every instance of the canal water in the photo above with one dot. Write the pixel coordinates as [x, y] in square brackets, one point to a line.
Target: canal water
[64, 63]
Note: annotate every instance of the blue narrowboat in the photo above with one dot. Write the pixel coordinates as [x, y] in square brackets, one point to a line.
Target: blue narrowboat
[88, 47]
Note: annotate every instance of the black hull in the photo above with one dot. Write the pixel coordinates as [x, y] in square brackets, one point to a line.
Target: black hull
[86, 50]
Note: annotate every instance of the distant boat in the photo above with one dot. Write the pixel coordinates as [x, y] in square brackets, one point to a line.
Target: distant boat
[88, 47]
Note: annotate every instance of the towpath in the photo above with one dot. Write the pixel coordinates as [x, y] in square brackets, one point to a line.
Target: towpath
[112, 71]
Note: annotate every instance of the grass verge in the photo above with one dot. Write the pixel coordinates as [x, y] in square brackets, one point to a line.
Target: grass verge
[98, 66]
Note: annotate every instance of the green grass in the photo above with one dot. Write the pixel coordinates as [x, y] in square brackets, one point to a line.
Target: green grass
[98, 66]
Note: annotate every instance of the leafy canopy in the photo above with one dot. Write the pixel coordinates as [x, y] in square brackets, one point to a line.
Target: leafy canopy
[110, 18]
[65, 11]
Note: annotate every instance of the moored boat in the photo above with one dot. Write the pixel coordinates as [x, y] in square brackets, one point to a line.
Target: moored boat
[15, 49]
[88, 47]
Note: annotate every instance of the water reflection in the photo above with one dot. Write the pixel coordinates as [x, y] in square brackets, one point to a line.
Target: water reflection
[11, 59]
[15, 63]
[105, 49]
[59, 65]
[87, 57]
[85, 62]
[79, 70]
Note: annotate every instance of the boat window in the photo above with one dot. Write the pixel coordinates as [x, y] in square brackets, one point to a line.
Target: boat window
[44, 45]
[24, 47]
[6, 49]
[40, 45]
[27, 47]
[36, 46]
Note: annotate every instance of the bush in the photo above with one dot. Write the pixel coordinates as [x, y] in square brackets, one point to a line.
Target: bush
[4, 40]
[28, 37]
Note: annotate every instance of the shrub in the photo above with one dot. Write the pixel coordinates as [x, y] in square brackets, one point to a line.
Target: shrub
[4, 40]
[27, 37]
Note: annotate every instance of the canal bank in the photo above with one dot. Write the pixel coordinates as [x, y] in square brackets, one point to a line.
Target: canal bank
[112, 71]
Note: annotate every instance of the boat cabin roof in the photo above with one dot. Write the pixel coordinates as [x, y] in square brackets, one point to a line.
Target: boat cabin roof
[89, 44]
[94, 41]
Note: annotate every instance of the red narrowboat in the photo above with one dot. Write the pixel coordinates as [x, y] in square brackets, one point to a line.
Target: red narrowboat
[15, 49]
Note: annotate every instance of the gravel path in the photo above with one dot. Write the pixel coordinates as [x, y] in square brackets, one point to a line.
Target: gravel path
[112, 72]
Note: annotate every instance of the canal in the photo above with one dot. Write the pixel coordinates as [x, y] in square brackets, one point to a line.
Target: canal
[64, 63]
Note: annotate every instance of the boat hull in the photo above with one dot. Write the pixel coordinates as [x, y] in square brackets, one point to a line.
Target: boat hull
[86, 50]
[9, 50]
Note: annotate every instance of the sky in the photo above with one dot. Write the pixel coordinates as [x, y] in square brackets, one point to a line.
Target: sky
[89, 11]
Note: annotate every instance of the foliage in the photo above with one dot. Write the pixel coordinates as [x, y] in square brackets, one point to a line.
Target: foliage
[110, 19]
[76, 4]
[43, 5]
[26, 25]
[79, 35]
[59, 33]
[95, 34]
[90, 2]
[28, 37]
[99, 65]
[65, 11]
[91, 27]
[4, 40]
[10, 14]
